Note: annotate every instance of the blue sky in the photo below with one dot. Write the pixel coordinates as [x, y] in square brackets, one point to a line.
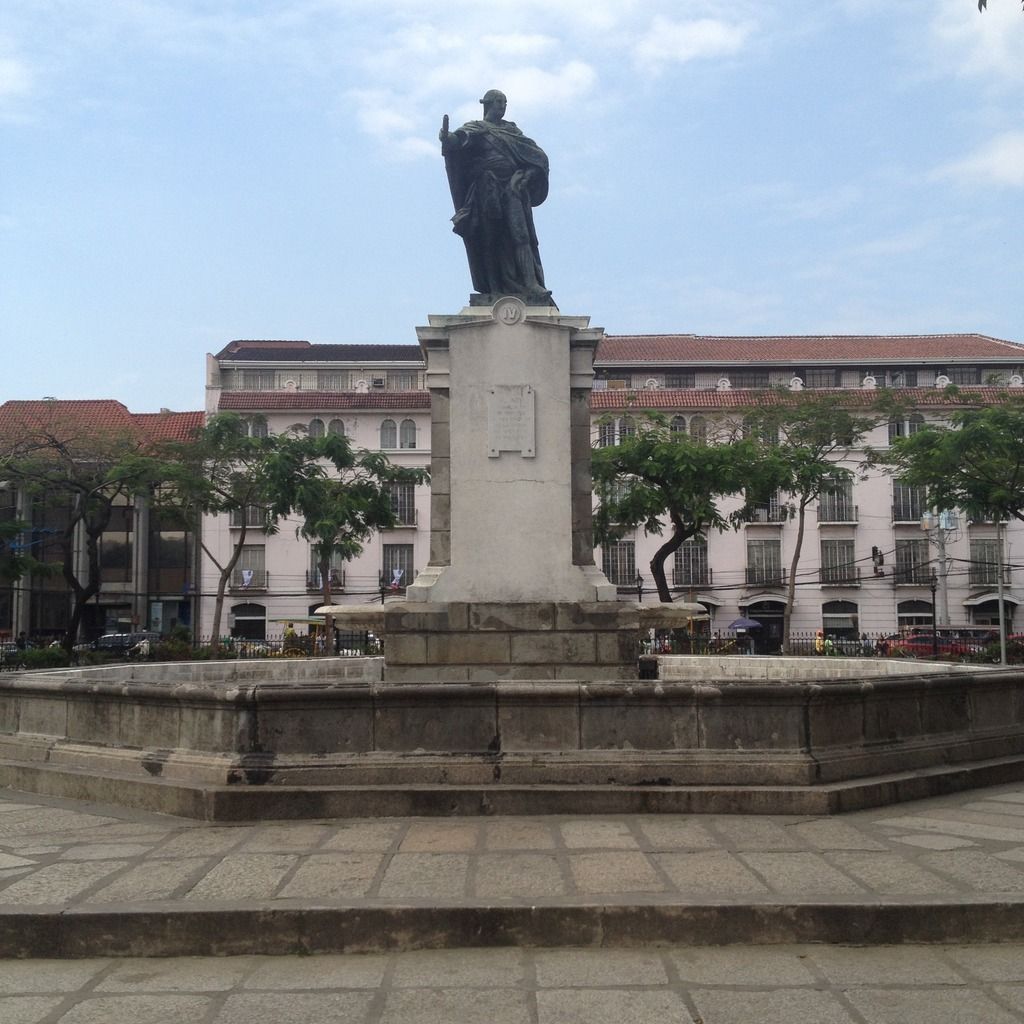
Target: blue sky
[178, 173]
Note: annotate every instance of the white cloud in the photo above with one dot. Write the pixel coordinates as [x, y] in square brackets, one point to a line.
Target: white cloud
[989, 46]
[15, 79]
[677, 42]
[999, 162]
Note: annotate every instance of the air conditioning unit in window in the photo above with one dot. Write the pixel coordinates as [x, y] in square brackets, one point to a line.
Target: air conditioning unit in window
[379, 382]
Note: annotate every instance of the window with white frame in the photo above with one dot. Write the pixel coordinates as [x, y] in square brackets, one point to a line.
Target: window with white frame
[691, 564]
[904, 426]
[963, 374]
[819, 377]
[403, 503]
[331, 380]
[335, 569]
[388, 434]
[837, 562]
[256, 427]
[912, 562]
[835, 503]
[618, 559]
[336, 427]
[250, 571]
[401, 380]
[764, 562]
[677, 425]
[985, 563]
[699, 429]
[397, 569]
[680, 380]
[407, 434]
[909, 502]
[317, 428]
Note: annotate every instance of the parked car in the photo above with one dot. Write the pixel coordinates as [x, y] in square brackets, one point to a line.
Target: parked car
[923, 645]
[121, 643]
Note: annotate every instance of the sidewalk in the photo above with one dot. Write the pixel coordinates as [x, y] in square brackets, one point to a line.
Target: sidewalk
[81, 880]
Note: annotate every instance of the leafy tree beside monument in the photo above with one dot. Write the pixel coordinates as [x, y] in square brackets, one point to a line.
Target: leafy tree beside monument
[656, 474]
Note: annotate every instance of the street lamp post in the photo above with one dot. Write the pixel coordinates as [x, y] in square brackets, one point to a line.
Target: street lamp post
[933, 586]
[639, 587]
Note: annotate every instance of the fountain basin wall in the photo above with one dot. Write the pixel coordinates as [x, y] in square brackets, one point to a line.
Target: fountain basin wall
[334, 722]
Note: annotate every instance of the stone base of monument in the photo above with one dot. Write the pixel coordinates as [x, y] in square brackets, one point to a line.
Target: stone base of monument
[327, 737]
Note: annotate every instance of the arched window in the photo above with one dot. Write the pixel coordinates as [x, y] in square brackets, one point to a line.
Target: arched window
[699, 429]
[388, 434]
[257, 427]
[250, 621]
[627, 428]
[839, 619]
[914, 613]
[316, 428]
[678, 425]
[407, 434]
[336, 427]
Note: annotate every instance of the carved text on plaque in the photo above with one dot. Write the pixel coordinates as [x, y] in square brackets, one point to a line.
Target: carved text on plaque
[511, 420]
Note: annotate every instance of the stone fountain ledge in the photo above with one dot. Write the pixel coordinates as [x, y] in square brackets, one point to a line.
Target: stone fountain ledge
[326, 737]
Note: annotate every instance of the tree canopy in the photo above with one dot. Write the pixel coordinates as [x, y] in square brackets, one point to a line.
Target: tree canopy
[657, 472]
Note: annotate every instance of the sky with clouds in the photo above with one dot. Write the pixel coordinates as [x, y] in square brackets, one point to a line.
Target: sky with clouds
[175, 174]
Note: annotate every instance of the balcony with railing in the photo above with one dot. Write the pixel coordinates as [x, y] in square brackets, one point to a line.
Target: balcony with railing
[695, 576]
[766, 576]
[771, 515]
[908, 512]
[912, 575]
[250, 579]
[314, 581]
[986, 574]
[403, 518]
[837, 512]
[252, 517]
[840, 576]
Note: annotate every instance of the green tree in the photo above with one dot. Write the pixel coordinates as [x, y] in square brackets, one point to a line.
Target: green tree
[222, 471]
[809, 435]
[975, 462]
[659, 474]
[84, 473]
[343, 496]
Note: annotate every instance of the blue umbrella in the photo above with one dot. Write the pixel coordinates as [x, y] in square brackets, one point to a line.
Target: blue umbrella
[742, 623]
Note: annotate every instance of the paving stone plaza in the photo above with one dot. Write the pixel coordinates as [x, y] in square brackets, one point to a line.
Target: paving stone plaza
[950, 869]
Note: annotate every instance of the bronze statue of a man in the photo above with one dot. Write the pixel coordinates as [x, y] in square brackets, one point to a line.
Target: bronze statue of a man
[497, 175]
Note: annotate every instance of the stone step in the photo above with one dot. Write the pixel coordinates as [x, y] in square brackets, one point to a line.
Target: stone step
[293, 928]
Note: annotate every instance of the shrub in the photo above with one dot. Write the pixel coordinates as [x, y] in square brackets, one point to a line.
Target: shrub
[45, 657]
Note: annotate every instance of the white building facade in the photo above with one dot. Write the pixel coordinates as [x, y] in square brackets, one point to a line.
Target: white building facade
[871, 554]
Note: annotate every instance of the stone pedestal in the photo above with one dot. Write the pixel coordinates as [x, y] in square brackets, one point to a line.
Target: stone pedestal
[510, 425]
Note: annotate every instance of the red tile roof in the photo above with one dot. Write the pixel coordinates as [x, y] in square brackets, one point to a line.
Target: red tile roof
[322, 401]
[307, 352]
[686, 399]
[68, 419]
[683, 349]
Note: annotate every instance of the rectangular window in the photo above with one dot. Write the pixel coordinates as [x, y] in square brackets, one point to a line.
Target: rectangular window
[402, 380]
[250, 573]
[821, 378]
[909, 503]
[259, 380]
[331, 380]
[398, 570]
[835, 505]
[618, 560]
[985, 563]
[764, 562]
[913, 562]
[251, 515]
[964, 375]
[403, 503]
[903, 378]
[336, 568]
[691, 564]
[770, 511]
[837, 562]
[116, 546]
[747, 378]
[679, 380]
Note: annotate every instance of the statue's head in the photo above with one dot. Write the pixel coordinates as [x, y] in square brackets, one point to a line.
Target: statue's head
[494, 100]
